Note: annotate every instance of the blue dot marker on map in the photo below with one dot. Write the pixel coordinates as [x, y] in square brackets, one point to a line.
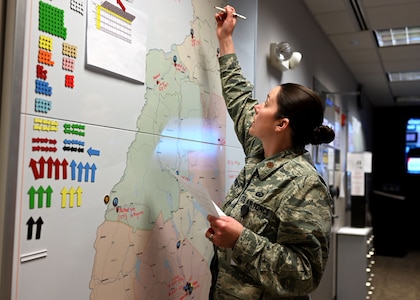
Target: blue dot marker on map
[188, 288]
[115, 202]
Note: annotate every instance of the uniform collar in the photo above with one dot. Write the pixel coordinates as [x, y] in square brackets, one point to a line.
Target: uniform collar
[273, 163]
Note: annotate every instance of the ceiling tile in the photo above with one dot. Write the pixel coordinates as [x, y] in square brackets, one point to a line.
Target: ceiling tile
[360, 56]
[369, 3]
[323, 6]
[338, 22]
[402, 66]
[366, 68]
[354, 41]
[400, 52]
[405, 88]
[392, 16]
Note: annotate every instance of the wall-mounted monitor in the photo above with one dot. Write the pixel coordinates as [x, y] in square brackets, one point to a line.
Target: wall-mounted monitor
[411, 137]
[412, 146]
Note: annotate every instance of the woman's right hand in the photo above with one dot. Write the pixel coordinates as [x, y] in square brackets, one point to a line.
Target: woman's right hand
[226, 22]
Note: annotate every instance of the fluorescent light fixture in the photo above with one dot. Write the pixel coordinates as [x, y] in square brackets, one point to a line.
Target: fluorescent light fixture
[398, 36]
[403, 76]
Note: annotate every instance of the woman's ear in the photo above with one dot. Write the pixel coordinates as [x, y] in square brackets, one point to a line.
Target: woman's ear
[282, 123]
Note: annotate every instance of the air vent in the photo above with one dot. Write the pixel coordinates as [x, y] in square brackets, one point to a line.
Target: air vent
[358, 14]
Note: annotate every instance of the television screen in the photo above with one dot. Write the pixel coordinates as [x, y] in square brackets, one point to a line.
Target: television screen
[412, 146]
[411, 137]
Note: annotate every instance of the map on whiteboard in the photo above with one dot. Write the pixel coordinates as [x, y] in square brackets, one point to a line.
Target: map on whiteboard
[101, 211]
[151, 244]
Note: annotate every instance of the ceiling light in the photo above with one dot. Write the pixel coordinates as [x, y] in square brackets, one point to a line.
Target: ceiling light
[403, 76]
[284, 51]
[398, 36]
[282, 56]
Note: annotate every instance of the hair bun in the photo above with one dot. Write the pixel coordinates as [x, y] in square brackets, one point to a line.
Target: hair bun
[322, 134]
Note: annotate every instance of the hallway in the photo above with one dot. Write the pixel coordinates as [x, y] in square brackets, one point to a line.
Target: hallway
[397, 278]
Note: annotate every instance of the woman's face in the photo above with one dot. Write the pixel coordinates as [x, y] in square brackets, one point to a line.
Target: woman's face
[265, 120]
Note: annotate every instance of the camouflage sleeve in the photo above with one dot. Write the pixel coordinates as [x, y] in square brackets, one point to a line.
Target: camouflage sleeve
[237, 91]
[294, 264]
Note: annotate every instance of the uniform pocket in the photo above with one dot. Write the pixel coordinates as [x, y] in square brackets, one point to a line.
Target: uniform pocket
[261, 220]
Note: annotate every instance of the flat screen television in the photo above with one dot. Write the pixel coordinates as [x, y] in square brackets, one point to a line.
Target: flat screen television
[412, 146]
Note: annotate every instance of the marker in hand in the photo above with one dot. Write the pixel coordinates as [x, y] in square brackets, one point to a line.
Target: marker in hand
[235, 14]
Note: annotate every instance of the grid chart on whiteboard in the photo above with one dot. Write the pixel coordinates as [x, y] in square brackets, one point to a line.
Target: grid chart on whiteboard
[114, 21]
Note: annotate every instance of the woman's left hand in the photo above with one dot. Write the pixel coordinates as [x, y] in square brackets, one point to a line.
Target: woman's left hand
[224, 231]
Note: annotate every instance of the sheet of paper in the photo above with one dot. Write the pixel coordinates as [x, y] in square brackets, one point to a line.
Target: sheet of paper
[219, 211]
[201, 195]
[116, 40]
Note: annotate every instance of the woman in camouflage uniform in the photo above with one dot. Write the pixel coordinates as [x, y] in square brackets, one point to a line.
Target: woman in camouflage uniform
[273, 242]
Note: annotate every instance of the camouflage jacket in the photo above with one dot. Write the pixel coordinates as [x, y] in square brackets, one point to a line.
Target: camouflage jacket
[284, 205]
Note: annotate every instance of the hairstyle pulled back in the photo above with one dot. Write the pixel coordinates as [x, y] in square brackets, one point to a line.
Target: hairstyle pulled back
[305, 111]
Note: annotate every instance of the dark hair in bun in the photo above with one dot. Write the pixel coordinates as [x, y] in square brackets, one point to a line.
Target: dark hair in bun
[305, 112]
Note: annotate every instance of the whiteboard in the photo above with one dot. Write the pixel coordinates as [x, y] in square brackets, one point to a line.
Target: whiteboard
[98, 214]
